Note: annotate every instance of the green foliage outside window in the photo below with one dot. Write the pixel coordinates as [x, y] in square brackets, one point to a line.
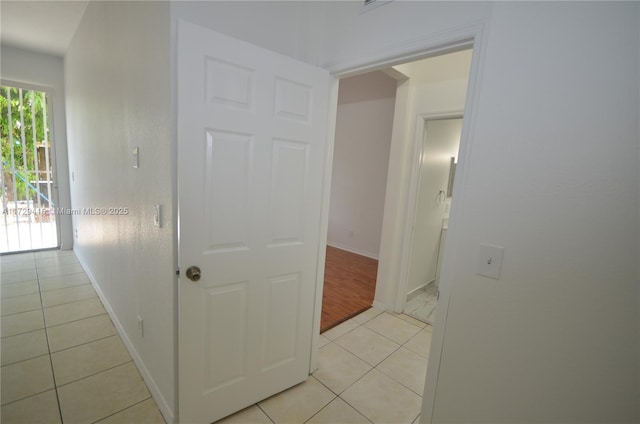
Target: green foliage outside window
[25, 113]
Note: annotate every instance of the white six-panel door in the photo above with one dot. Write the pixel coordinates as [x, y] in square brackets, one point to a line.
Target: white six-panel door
[251, 149]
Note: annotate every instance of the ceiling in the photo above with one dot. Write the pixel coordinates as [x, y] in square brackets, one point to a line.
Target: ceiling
[42, 26]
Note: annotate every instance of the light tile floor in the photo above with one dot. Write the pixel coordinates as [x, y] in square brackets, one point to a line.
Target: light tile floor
[371, 369]
[423, 305]
[62, 359]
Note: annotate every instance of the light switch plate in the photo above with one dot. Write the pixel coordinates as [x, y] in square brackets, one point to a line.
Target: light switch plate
[157, 216]
[490, 261]
[135, 157]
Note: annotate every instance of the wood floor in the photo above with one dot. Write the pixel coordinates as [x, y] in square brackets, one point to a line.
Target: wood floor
[349, 286]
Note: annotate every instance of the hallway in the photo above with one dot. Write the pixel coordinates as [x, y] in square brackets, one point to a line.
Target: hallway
[64, 362]
[62, 359]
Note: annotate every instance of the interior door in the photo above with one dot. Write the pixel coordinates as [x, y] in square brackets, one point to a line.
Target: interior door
[251, 153]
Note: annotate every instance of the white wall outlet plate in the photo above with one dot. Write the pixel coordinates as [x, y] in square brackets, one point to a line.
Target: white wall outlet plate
[135, 157]
[490, 261]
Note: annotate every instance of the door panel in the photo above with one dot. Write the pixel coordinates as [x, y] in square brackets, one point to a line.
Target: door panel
[228, 180]
[290, 166]
[251, 150]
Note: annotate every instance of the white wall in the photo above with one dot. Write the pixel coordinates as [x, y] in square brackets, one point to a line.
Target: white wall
[118, 97]
[441, 142]
[360, 160]
[553, 178]
[38, 69]
[349, 36]
[551, 175]
[291, 28]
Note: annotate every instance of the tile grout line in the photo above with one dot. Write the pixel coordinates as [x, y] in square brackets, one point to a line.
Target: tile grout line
[21, 272]
[24, 332]
[57, 276]
[72, 302]
[24, 360]
[17, 282]
[59, 266]
[26, 397]
[400, 347]
[51, 277]
[353, 353]
[264, 412]
[391, 315]
[324, 385]
[68, 287]
[374, 367]
[365, 374]
[349, 386]
[399, 382]
[354, 408]
[377, 332]
[122, 410]
[22, 312]
[86, 343]
[64, 288]
[13, 297]
[46, 334]
[28, 331]
[323, 408]
[96, 373]
[423, 325]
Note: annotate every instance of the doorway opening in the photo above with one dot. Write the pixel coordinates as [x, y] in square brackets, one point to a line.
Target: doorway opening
[28, 220]
[436, 173]
[371, 111]
[364, 124]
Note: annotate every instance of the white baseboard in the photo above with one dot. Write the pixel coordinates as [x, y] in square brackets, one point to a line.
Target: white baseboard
[352, 250]
[164, 407]
[413, 293]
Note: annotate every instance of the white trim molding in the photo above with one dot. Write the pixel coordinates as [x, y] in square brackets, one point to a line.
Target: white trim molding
[352, 250]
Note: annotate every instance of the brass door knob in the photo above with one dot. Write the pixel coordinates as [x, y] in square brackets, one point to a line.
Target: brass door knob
[193, 273]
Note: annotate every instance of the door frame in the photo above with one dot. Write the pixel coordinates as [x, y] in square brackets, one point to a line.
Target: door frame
[473, 35]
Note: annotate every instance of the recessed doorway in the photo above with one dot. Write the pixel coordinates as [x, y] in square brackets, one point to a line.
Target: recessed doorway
[438, 161]
[364, 124]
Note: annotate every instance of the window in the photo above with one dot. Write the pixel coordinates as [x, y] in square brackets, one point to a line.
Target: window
[28, 220]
